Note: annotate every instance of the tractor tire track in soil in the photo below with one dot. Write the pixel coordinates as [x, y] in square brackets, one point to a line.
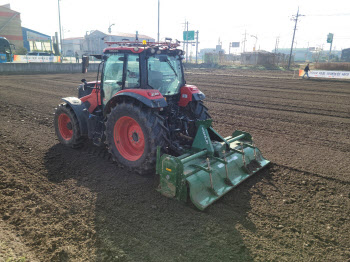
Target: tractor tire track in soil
[63, 204]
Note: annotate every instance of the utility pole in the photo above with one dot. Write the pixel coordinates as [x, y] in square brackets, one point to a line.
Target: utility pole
[59, 22]
[197, 33]
[276, 45]
[330, 40]
[187, 43]
[295, 28]
[183, 48]
[245, 39]
[158, 20]
[330, 50]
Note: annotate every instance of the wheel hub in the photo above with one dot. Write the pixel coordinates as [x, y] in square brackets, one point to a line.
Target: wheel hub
[135, 137]
[65, 126]
[129, 138]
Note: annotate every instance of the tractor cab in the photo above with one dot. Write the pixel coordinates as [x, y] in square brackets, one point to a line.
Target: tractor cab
[130, 65]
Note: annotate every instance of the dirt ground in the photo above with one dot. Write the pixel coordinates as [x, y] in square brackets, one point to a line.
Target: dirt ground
[62, 204]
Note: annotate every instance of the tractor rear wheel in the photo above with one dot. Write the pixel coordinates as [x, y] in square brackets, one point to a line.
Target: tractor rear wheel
[67, 126]
[133, 133]
[196, 110]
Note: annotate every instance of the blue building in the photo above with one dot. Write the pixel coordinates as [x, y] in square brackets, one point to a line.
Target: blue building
[35, 41]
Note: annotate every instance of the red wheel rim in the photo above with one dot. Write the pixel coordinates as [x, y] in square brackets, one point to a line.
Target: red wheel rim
[65, 126]
[129, 138]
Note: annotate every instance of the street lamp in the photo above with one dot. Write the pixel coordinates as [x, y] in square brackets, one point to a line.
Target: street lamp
[256, 40]
[158, 22]
[110, 29]
[59, 22]
[62, 44]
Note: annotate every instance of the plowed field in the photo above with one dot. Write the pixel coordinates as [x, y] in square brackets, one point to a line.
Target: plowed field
[62, 204]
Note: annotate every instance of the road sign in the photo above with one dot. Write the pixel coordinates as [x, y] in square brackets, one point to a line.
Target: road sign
[188, 35]
[330, 38]
[235, 44]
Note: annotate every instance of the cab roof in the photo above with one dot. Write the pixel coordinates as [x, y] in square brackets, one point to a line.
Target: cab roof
[138, 47]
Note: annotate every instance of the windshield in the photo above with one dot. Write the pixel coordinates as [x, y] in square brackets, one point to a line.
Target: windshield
[4, 46]
[165, 74]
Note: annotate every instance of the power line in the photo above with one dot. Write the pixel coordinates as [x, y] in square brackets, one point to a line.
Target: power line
[341, 14]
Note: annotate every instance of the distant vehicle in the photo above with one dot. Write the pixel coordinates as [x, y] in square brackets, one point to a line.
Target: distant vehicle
[39, 54]
[6, 54]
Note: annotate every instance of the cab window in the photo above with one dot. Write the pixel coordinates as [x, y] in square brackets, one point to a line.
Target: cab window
[133, 71]
[112, 76]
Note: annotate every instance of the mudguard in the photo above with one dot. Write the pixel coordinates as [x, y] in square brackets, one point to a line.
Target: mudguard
[190, 93]
[80, 111]
[143, 95]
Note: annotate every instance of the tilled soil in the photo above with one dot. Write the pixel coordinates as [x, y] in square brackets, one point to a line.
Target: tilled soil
[62, 204]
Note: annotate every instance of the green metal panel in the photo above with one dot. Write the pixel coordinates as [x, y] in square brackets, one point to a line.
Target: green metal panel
[202, 192]
[170, 169]
[212, 169]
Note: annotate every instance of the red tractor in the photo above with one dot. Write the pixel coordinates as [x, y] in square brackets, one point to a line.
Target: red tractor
[143, 111]
[141, 102]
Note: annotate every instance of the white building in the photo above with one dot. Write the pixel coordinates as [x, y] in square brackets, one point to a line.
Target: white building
[94, 42]
[72, 45]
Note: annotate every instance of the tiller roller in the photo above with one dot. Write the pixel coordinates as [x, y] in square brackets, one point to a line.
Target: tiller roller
[212, 167]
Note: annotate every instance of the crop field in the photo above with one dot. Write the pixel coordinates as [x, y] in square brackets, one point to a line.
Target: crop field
[63, 204]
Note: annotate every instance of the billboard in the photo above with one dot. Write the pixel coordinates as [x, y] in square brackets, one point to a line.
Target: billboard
[327, 74]
[188, 35]
[36, 59]
[235, 44]
[32, 36]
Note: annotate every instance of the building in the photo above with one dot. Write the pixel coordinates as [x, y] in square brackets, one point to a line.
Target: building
[309, 54]
[35, 41]
[72, 45]
[262, 58]
[94, 42]
[11, 28]
[211, 55]
[10, 25]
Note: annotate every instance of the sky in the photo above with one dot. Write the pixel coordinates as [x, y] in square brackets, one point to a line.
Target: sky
[262, 22]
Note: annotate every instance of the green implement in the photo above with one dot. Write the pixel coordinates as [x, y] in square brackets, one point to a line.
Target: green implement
[212, 167]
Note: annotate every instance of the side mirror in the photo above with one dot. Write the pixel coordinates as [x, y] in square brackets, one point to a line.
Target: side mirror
[85, 64]
[85, 83]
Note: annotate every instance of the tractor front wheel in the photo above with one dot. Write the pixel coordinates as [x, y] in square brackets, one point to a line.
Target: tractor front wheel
[67, 126]
[133, 134]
